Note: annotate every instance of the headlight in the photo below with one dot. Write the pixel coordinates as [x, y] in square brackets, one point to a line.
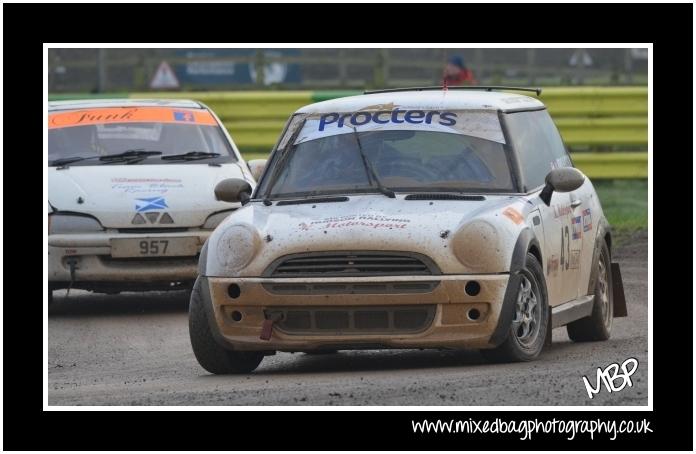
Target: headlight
[477, 246]
[72, 223]
[236, 246]
[215, 219]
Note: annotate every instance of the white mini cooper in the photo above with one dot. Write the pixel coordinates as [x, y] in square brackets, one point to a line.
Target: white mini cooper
[415, 218]
[130, 192]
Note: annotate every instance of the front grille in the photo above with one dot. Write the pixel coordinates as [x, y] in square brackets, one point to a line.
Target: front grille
[354, 319]
[153, 230]
[319, 264]
[353, 288]
[107, 260]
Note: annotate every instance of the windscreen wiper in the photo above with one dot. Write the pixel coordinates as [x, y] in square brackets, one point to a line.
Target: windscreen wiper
[190, 156]
[128, 155]
[65, 161]
[369, 170]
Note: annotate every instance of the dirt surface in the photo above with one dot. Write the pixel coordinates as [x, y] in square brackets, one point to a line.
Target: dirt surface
[133, 349]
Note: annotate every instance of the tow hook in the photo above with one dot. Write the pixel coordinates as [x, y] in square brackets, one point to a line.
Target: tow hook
[72, 263]
[267, 327]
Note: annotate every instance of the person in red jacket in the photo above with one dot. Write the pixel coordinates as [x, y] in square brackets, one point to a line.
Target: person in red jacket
[456, 73]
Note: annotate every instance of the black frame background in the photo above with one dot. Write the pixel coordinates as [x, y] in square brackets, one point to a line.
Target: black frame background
[26, 27]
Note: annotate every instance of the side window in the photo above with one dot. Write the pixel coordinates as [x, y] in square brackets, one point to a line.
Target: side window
[538, 143]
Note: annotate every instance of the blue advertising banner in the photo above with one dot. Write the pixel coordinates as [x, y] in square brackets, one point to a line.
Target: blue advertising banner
[219, 67]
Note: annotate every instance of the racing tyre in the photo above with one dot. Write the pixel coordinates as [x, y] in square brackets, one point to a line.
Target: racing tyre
[597, 326]
[529, 326]
[211, 355]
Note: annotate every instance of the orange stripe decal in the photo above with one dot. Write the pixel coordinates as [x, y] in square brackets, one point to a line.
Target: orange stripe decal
[113, 115]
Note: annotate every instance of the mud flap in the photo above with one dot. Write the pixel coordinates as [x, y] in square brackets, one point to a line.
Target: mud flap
[620, 309]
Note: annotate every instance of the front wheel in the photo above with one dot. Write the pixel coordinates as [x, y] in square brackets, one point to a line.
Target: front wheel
[529, 326]
[597, 326]
[211, 355]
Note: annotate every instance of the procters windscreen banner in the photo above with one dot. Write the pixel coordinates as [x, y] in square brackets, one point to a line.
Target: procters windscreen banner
[482, 124]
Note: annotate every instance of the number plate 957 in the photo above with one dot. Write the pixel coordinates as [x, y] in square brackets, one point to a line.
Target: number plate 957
[154, 247]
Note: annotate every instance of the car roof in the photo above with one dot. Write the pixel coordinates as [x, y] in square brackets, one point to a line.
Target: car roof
[101, 103]
[427, 100]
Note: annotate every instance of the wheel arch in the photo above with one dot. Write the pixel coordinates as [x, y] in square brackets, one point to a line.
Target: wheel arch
[603, 235]
[607, 239]
[527, 242]
[203, 259]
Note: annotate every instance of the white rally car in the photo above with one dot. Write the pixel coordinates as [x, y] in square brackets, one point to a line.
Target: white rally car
[130, 192]
[414, 218]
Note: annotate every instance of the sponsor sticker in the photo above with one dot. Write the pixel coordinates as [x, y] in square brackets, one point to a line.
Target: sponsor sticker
[577, 229]
[364, 221]
[586, 220]
[389, 117]
[514, 215]
[145, 185]
[150, 203]
[115, 115]
[382, 117]
[575, 259]
[183, 115]
[561, 210]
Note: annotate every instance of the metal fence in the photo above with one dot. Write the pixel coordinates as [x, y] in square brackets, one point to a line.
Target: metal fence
[125, 70]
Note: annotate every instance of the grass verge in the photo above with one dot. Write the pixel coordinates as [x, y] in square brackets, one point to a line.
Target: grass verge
[625, 204]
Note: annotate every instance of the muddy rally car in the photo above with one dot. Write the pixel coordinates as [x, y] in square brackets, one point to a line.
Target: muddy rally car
[130, 192]
[417, 218]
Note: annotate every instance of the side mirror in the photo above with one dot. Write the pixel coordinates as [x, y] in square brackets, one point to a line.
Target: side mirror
[233, 190]
[257, 167]
[565, 179]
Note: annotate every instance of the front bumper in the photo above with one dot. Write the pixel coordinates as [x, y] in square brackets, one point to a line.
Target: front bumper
[89, 257]
[238, 312]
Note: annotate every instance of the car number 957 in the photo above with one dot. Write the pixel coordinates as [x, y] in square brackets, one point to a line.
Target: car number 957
[154, 247]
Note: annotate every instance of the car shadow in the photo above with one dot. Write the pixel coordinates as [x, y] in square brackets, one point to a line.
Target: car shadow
[372, 360]
[400, 359]
[94, 304]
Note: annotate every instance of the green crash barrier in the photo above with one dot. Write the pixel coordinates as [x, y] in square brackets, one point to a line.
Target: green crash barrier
[589, 118]
[596, 101]
[612, 165]
[605, 132]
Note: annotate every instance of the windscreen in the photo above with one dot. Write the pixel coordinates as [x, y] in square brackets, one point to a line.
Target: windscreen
[444, 151]
[95, 133]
